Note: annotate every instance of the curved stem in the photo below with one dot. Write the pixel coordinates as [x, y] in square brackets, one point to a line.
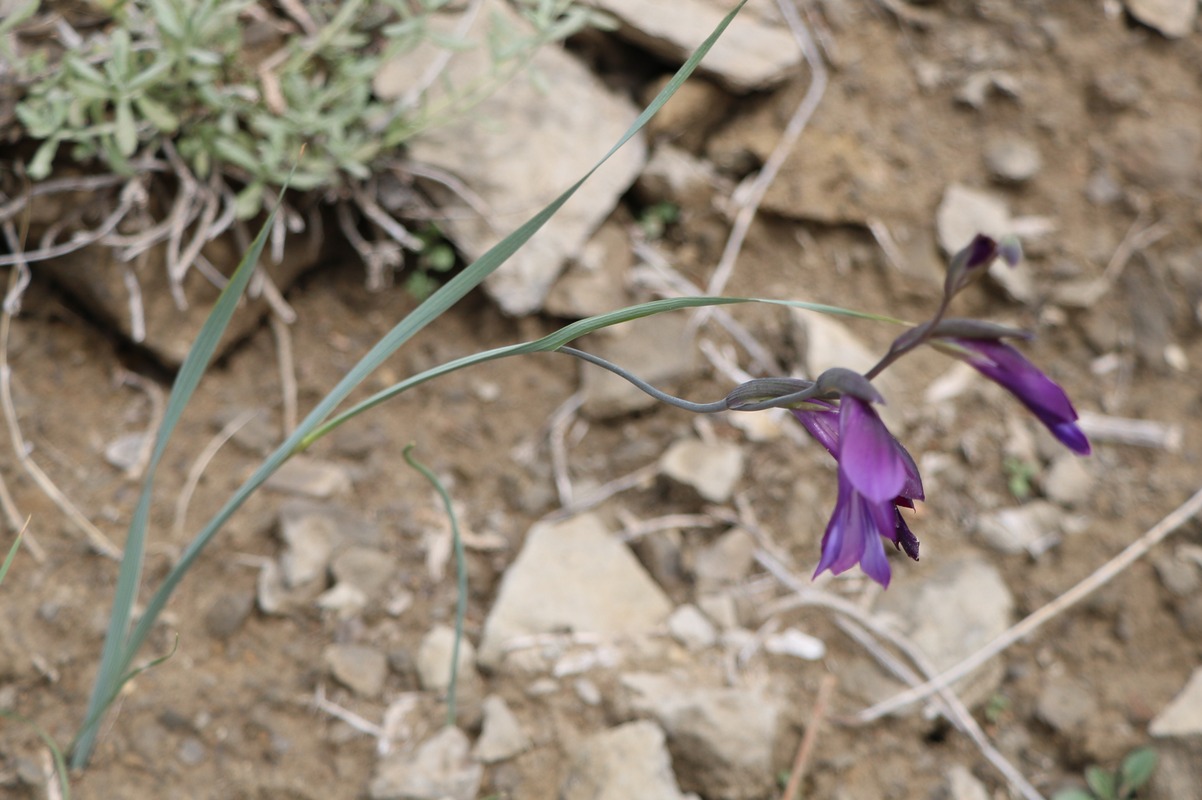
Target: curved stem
[664, 397]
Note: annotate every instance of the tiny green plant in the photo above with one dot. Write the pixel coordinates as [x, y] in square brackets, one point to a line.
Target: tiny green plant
[1123, 783]
[1019, 476]
[657, 217]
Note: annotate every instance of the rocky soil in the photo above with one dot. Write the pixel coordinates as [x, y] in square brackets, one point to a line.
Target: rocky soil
[641, 621]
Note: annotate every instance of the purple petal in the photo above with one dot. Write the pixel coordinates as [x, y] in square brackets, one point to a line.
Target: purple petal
[912, 488]
[823, 426]
[906, 540]
[874, 562]
[847, 531]
[868, 453]
[1070, 436]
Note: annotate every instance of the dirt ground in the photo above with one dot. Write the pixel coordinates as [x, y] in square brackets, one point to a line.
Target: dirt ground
[1115, 111]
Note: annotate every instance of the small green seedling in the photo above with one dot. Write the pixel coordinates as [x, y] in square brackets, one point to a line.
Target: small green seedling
[1121, 784]
[1019, 475]
[656, 218]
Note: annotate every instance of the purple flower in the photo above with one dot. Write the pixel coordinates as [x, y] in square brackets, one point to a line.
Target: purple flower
[876, 475]
[1006, 366]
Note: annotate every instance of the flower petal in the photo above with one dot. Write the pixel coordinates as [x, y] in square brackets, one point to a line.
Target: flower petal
[874, 562]
[868, 453]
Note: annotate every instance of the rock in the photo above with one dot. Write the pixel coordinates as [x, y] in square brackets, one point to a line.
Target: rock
[1173, 18]
[309, 541]
[191, 751]
[227, 613]
[721, 739]
[689, 115]
[963, 785]
[434, 659]
[1013, 159]
[1065, 705]
[366, 569]
[657, 349]
[1179, 575]
[357, 667]
[951, 613]
[343, 599]
[125, 451]
[503, 736]
[1161, 152]
[310, 477]
[95, 276]
[1022, 529]
[691, 628]
[572, 575]
[491, 150]
[965, 212]
[792, 642]
[725, 561]
[712, 468]
[1182, 717]
[588, 692]
[1069, 482]
[753, 53]
[628, 762]
[721, 609]
[595, 282]
[673, 175]
[439, 769]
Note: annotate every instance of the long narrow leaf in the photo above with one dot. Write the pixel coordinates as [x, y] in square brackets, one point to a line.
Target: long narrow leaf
[565, 335]
[115, 658]
[119, 651]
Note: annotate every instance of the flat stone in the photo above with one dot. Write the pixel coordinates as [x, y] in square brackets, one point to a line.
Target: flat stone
[673, 175]
[1013, 159]
[692, 628]
[963, 785]
[344, 599]
[310, 477]
[434, 659]
[357, 667]
[657, 349]
[629, 762]
[1179, 575]
[1173, 18]
[712, 468]
[725, 561]
[951, 613]
[491, 149]
[309, 542]
[595, 282]
[1065, 705]
[227, 613]
[367, 569]
[756, 51]
[502, 737]
[1021, 529]
[1183, 715]
[792, 642]
[721, 740]
[439, 769]
[1069, 482]
[575, 576]
[125, 451]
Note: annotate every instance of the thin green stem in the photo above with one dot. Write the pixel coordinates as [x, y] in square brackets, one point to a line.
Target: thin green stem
[663, 397]
[461, 567]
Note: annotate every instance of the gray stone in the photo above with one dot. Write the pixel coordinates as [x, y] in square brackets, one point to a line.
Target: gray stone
[721, 739]
[951, 613]
[1069, 482]
[434, 659]
[309, 542]
[691, 628]
[227, 613]
[755, 51]
[572, 575]
[359, 668]
[963, 213]
[367, 569]
[725, 561]
[1020, 529]
[675, 176]
[658, 349]
[963, 785]
[343, 599]
[1160, 152]
[191, 751]
[1013, 159]
[1173, 18]
[792, 642]
[1065, 705]
[721, 609]
[1183, 715]
[125, 451]
[712, 468]
[310, 477]
[490, 150]
[595, 282]
[502, 737]
[439, 769]
[628, 762]
[1180, 576]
